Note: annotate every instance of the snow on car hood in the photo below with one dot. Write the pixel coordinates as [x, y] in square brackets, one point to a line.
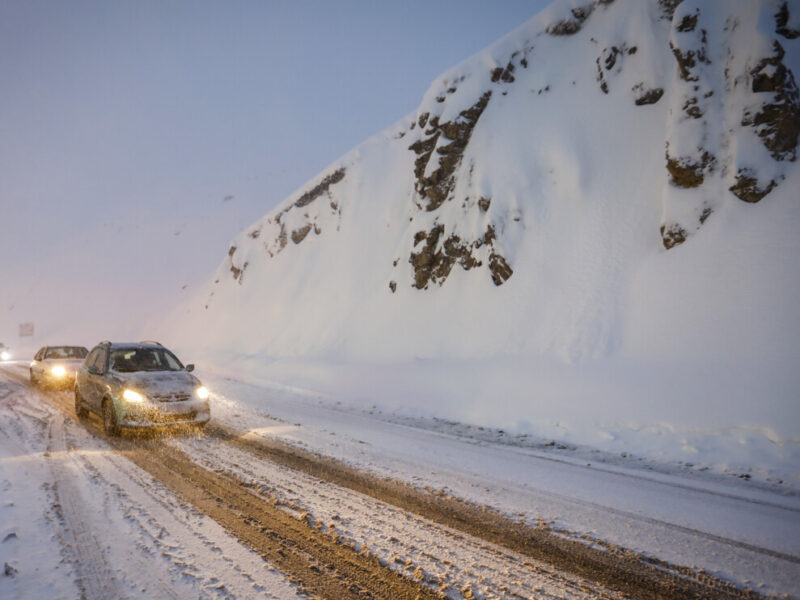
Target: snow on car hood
[159, 382]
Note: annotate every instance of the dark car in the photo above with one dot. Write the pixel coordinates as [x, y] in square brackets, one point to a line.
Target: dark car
[55, 366]
[139, 385]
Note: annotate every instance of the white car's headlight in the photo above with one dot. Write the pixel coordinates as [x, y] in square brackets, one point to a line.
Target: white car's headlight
[132, 397]
[5, 355]
[58, 371]
[202, 392]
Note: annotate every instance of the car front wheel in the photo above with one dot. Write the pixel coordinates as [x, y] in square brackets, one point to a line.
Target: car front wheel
[110, 426]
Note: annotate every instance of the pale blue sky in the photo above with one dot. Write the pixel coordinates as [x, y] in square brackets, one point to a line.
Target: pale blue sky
[105, 100]
[133, 120]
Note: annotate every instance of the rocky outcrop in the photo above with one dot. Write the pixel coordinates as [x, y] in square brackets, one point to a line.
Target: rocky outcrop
[318, 190]
[445, 144]
[503, 74]
[774, 117]
[238, 272]
[300, 217]
[668, 7]
[298, 235]
[646, 96]
[439, 154]
[782, 23]
[691, 147]
[777, 120]
[610, 63]
[572, 25]
[499, 268]
[437, 255]
[672, 235]
[688, 172]
[748, 188]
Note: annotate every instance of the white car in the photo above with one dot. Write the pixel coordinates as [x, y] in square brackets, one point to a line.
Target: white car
[137, 386]
[55, 366]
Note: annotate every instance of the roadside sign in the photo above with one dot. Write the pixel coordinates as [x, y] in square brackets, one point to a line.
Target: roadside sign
[25, 329]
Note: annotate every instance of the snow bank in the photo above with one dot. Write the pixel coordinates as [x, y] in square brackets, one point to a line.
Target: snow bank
[587, 230]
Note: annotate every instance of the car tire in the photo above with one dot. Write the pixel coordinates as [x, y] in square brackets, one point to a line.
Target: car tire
[80, 410]
[34, 381]
[110, 426]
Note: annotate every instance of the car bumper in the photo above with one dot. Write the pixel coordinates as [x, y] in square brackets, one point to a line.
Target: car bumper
[65, 382]
[173, 413]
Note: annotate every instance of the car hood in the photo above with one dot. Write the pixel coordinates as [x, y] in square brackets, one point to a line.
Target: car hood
[159, 382]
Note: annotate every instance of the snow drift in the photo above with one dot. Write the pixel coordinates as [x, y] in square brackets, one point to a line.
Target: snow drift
[589, 228]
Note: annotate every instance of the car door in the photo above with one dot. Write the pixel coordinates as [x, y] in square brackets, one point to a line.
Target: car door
[37, 369]
[93, 376]
[82, 383]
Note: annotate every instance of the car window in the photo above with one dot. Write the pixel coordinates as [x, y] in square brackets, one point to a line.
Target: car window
[73, 352]
[65, 352]
[39, 354]
[128, 360]
[99, 360]
[172, 361]
[92, 355]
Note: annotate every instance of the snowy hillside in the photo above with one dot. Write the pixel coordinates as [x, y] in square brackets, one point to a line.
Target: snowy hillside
[588, 230]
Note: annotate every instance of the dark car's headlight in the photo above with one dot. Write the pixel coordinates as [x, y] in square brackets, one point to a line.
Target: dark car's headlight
[132, 397]
[201, 392]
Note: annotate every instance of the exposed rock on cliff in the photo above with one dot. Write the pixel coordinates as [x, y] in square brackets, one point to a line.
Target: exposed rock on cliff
[777, 121]
[440, 151]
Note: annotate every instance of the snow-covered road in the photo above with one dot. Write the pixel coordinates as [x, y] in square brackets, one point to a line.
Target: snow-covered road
[740, 530]
[77, 518]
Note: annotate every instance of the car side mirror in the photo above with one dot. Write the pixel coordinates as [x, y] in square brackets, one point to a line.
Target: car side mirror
[190, 368]
[93, 370]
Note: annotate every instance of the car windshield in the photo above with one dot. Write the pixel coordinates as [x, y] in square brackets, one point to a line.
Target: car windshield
[66, 352]
[128, 360]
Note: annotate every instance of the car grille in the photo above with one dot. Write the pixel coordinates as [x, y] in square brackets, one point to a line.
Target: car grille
[172, 418]
[171, 397]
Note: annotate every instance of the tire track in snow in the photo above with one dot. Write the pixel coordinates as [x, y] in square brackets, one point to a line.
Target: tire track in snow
[95, 576]
[161, 547]
[434, 553]
[627, 571]
[624, 571]
[178, 536]
[321, 566]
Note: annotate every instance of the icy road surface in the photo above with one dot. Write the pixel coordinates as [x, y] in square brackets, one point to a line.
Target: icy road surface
[79, 518]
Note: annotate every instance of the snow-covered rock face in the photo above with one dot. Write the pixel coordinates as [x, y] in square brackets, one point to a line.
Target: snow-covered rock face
[516, 210]
[734, 110]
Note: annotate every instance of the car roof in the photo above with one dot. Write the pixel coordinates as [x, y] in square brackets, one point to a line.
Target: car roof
[125, 345]
[64, 346]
